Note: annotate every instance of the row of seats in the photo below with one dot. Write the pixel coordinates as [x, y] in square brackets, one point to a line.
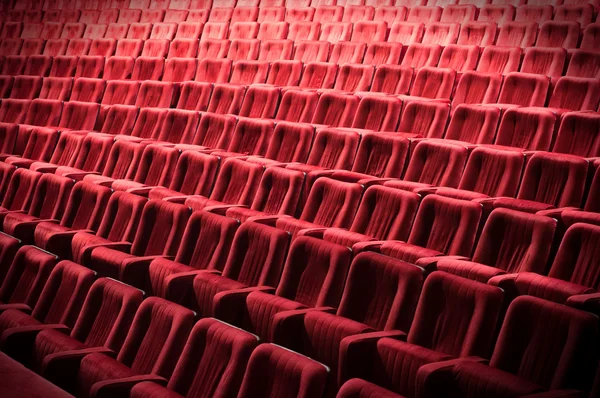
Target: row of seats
[492, 175]
[582, 12]
[208, 4]
[105, 57]
[257, 258]
[105, 346]
[425, 111]
[514, 34]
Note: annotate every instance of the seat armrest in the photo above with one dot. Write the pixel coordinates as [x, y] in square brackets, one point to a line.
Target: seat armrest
[142, 191]
[557, 394]
[234, 299]
[221, 209]
[61, 367]
[587, 302]
[429, 263]
[15, 341]
[266, 220]
[176, 199]
[358, 348]
[433, 378]
[120, 246]
[180, 284]
[123, 386]
[312, 232]
[78, 176]
[134, 271]
[16, 306]
[287, 326]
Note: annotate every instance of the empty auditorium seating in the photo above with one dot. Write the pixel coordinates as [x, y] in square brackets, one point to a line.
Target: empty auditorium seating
[225, 155]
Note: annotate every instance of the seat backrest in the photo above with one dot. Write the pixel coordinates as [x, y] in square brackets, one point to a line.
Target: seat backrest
[354, 77]
[120, 119]
[215, 130]
[425, 118]
[312, 51]
[558, 34]
[274, 50]
[448, 300]
[493, 172]
[226, 98]
[149, 123]
[251, 136]
[554, 179]
[442, 33]
[279, 191]
[63, 294]
[297, 106]
[517, 34]
[14, 110]
[576, 134]
[381, 155]
[447, 225]
[336, 109]
[88, 90]
[303, 30]
[334, 148]
[395, 282]
[290, 142]
[161, 228]
[212, 345]
[527, 128]
[179, 126]
[42, 112]
[459, 13]
[379, 53]
[584, 63]
[285, 73]
[257, 255]
[50, 196]
[433, 83]
[524, 89]
[502, 60]
[157, 165]
[79, 115]
[477, 88]
[119, 67]
[213, 70]
[237, 182]
[260, 102]
[576, 94]
[477, 33]
[179, 70]
[407, 33]
[545, 343]
[108, 302]
[424, 14]
[207, 240]
[195, 173]
[249, 72]
[576, 256]
[148, 68]
[544, 61]
[392, 79]
[94, 152]
[385, 213]
[332, 203]
[460, 58]
[473, 123]
[420, 55]
[122, 216]
[20, 189]
[527, 250]
[27, 275]
[123, 92]
[591, 37]
[301, 376]
[315, 272]
[157, 336]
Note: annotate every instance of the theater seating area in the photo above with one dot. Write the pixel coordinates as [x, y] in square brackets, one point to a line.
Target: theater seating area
[300, 198]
